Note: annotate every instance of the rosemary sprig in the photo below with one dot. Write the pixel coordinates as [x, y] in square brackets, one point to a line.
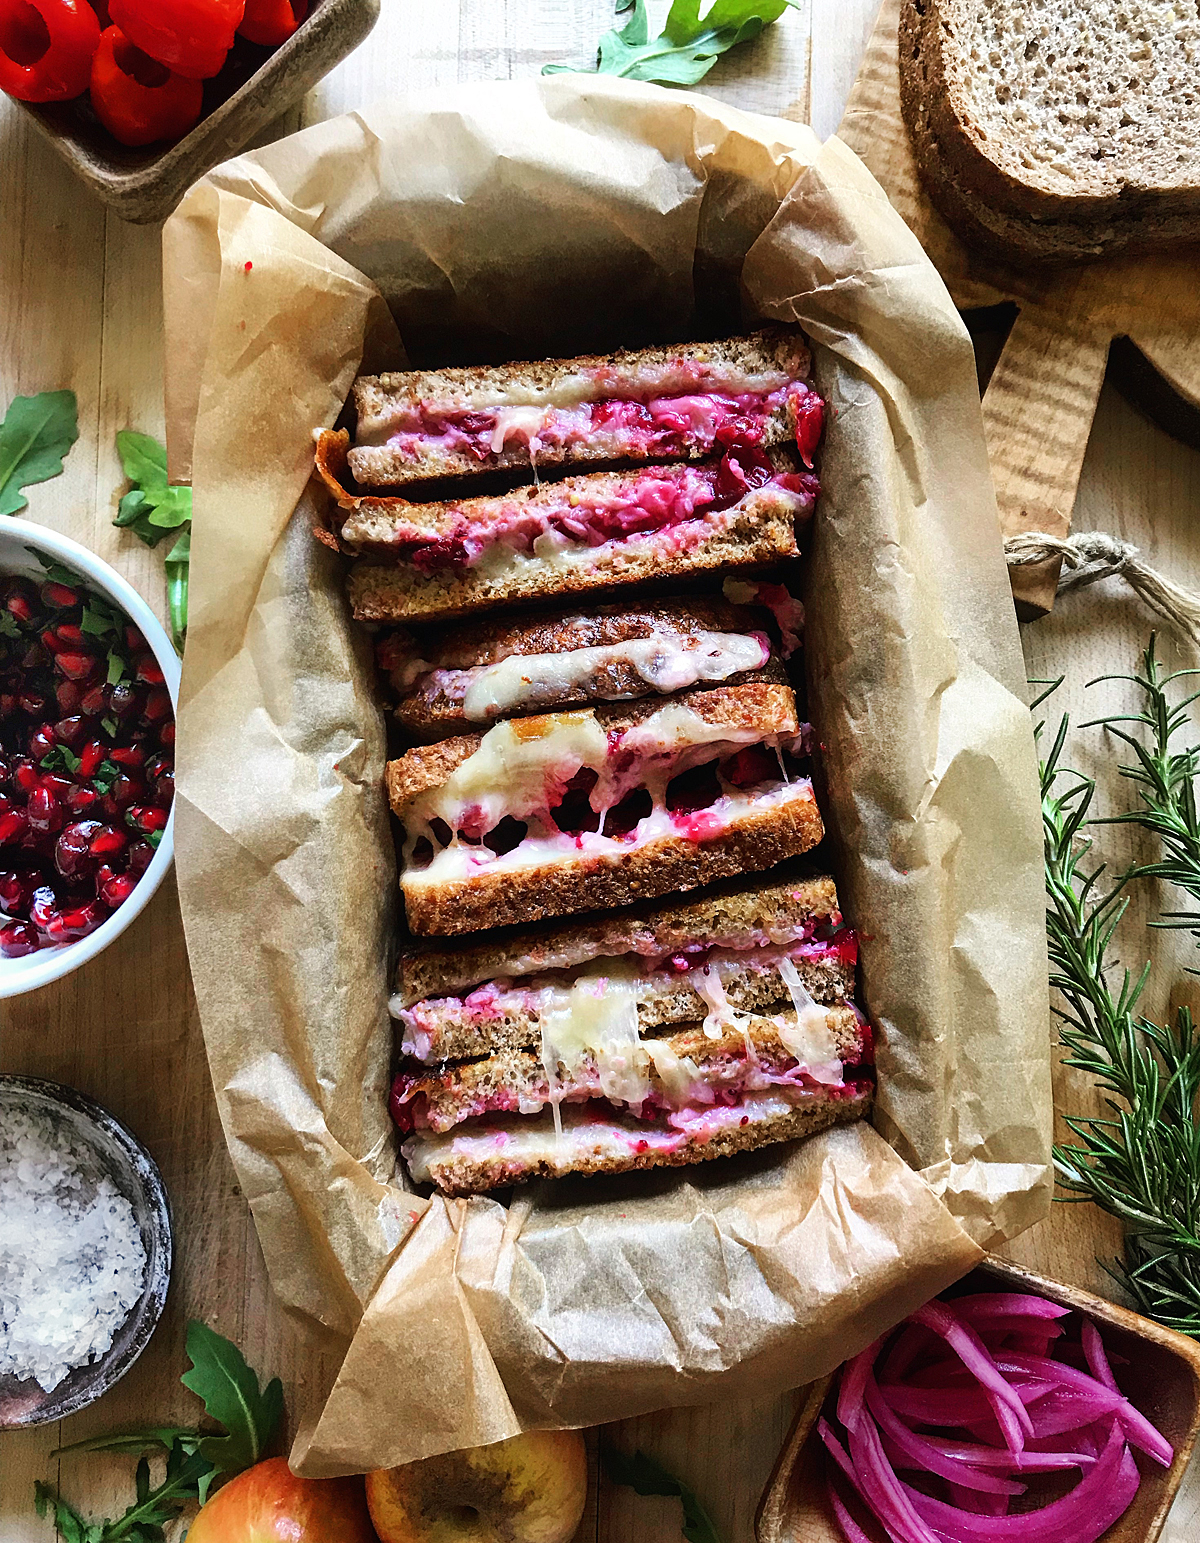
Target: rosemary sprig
[1141, 1161]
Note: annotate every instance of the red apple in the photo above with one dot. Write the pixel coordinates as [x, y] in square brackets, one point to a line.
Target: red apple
[269, 1504]
[529, 1489]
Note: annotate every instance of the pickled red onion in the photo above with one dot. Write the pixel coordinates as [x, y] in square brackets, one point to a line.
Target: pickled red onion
[1014, 1400]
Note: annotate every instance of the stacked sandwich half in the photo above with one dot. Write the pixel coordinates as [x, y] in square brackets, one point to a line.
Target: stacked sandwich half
[573, 569]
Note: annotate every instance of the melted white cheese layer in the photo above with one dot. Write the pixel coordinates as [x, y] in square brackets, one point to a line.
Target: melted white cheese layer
[664, 662]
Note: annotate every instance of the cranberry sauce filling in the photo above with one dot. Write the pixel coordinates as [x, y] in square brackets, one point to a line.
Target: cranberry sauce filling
[87, 754]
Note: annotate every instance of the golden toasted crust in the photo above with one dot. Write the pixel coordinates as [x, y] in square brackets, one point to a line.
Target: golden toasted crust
[517, 1078]
[660, 927]
[461, 1175]
[761, 705]
[757, 533]
[758, 839]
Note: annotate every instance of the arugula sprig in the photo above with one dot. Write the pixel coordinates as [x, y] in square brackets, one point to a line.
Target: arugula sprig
[1141, 1160]
[152, 509]
[646, 1477]
[35, 435]
[195, 1459]
[689, 44]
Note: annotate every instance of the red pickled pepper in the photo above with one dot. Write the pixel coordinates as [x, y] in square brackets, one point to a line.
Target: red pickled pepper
[271, 22]
[46, 48]
[191, 37]
[137, 99]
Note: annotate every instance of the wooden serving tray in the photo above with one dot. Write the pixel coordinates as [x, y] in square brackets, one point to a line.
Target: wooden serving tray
[1162, 1379]
[1041, 397]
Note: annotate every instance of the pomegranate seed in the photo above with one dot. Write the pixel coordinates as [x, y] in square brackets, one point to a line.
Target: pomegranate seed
[13, 825]
[127, 790]
[124, 699]
[6, 803]
[12, 892]
[127, 755]
[95, 701]
[51, 643]
[76, 666]
[67, 926]
[164, 790]
[72, 850]
[80, 800]
[67, 632]
[134, 640]
[108, 807]
[26, 776]
[59, 595]
[158, 704]
[140, 856]
[106, 841]
[18, 605]
[43, 906]
[146, 668]
[70, 731]
[89, 759]
[67, 695]
[155, 766]
[146, 818]
[117, 890]
[45, 813]
[58, 787]
[8, 704]
[29, 702]
[18, 939]
[34, 657]
[42, 741]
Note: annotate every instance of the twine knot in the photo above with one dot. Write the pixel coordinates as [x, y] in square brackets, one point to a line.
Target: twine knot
[1091, 555]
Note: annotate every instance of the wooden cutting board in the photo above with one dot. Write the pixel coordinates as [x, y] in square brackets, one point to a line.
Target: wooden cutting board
[1041, 397]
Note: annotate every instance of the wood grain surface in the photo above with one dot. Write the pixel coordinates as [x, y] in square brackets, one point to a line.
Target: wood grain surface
[80, 307]
[1040, 402]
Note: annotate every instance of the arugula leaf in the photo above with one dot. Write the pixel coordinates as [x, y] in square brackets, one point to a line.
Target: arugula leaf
[106, 775]
[646, 1477]
[60, 759]
[99, 619]
[152, 1438]
[231, 1394]
[55, 571]
[152, 509]
[67, 1520]
[117, 667]
[8, 625]
[689, 45]
[35, 435]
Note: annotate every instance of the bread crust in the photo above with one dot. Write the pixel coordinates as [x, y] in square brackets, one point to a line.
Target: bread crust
[459, 1175]
[757, 533]
[758, 840]
[992, 209]
[772, 350]
[658, 927]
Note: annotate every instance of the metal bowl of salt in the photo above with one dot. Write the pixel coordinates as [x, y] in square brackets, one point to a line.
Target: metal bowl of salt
[70, 1236]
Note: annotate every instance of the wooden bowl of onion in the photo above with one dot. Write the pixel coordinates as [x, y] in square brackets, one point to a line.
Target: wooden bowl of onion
[1012, 1409]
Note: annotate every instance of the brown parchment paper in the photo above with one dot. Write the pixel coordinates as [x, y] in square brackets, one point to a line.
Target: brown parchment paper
[541, 218]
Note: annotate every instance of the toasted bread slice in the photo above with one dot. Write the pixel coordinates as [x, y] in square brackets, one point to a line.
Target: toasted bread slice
[674, 402]
[731, 1061]
[574, 811]
[485, 1154]
[775, 910]
[534, 662]
[1055, 136]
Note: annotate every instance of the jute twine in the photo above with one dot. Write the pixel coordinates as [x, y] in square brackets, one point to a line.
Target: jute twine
[1091, 555]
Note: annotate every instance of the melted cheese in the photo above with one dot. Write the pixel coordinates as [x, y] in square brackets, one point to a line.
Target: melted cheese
[665, 663]
[521, 423]
[596, 1018]
[811, 1040]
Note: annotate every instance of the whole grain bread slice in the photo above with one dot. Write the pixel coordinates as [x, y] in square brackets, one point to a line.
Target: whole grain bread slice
[1055, 134]
[769, 911]
[767, 707]
[516, 1079]
[468, 1161]
[773, 356]
[764, 833]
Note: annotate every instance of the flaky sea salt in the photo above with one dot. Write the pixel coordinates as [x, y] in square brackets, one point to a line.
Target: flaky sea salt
[72, 1263]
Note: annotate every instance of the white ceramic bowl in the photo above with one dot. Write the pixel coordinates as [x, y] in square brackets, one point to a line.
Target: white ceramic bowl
[17, 538]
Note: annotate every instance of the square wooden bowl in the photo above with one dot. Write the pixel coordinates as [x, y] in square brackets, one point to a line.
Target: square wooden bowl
[255, 85]
[1161, 1377]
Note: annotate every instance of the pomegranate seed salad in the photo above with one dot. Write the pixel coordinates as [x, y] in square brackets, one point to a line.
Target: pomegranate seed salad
[87, 759]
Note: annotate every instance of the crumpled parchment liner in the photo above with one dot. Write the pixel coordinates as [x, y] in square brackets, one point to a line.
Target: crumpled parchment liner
[533, 218]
